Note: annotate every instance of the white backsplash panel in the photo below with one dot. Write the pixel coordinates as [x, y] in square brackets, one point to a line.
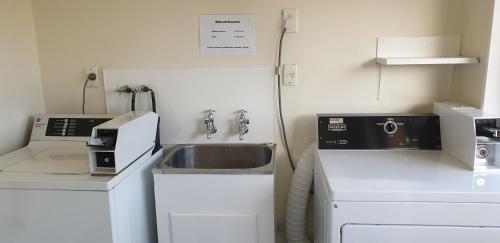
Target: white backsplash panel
[183, 95]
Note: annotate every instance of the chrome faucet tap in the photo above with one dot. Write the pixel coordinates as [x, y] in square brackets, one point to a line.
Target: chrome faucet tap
[244, 121]
[210, 122]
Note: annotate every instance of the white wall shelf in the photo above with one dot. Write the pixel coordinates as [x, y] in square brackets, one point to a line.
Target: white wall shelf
[427, 50]
[426, 60]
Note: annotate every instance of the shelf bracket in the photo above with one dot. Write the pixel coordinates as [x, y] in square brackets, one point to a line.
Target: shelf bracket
[379, 83]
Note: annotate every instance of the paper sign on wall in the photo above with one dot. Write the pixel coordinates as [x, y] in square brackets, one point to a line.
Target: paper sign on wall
[227, 35]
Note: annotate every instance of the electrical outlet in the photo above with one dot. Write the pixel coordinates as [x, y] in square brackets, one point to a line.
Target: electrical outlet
[291, 16]
[92, 83]
[290, 74]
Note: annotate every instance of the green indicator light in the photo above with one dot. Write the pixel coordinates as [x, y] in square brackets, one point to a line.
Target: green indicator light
[407, 140]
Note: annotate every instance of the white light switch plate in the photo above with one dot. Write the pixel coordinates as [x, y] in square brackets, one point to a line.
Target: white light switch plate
[292, 18]
[290, 74]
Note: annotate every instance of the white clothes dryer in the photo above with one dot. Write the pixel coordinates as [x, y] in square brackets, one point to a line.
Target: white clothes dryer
[384, 179]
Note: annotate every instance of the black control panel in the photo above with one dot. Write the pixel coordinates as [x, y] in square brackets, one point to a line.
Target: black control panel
[379, 131]
[72, 127]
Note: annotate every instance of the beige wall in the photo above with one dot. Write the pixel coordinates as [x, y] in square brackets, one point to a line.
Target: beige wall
[491, 102]
[21, 92]
[470, 80]
[334, 50]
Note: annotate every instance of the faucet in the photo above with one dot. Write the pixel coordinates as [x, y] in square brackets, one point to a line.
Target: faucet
[126, 89]
[244, 121]
[210, 122]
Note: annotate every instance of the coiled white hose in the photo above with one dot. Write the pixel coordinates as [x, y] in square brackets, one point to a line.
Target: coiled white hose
[296, 207]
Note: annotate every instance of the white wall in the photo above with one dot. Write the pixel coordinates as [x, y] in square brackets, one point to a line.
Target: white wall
[334, 50]
[470, 80]
[21, 92]
[492, 89]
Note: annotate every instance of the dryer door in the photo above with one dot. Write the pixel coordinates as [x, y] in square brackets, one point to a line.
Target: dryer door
[418, 234]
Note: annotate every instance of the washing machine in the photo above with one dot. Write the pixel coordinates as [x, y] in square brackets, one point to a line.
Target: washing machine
[48, 195]
[382, 178]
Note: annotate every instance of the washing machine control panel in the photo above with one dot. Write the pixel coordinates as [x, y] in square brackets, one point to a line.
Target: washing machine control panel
[374, 131]
[72, 127]
[66, 127]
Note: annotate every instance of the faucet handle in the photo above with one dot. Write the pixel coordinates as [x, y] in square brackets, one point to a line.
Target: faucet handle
[210, 113]
[242, 113]
[210, 116]
[124, 89]
[243, 117]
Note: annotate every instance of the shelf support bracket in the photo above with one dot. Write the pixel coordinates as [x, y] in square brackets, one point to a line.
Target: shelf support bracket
[379, 82]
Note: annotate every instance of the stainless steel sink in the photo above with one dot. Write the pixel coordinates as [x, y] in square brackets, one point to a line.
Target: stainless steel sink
[220, 159]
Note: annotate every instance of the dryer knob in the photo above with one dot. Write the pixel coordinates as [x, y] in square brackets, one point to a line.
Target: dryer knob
[390, 127]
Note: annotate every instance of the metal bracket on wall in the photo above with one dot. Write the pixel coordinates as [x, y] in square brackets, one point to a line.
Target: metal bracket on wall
[379, 83]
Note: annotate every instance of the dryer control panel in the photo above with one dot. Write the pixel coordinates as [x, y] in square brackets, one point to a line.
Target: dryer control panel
[379, 131]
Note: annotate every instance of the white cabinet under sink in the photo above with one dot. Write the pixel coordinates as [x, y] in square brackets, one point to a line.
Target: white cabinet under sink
[215, 208]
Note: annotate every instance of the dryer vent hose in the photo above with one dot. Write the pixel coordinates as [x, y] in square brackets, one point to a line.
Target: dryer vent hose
[296, 207]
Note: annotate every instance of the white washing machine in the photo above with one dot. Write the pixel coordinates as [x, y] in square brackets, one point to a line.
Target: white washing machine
[384, 179]
[47, 194]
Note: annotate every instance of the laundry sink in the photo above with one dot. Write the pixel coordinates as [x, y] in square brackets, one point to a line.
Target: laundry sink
[220, 192]
[220, 159]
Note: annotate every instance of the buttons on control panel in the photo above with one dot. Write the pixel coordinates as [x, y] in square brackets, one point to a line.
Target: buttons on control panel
[72, 127]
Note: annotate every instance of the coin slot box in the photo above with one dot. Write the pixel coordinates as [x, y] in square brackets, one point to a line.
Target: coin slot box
[470, 135]
[116, 144]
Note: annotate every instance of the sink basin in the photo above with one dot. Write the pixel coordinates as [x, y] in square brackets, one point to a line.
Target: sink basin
[220, 158]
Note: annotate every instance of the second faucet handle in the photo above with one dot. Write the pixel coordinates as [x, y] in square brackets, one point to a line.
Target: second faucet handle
[210, 115]
[210, 122]
[242, 114]
[244, 121]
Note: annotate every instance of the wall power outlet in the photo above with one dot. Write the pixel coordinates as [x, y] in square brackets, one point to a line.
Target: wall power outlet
[290, 74]
[92, 83]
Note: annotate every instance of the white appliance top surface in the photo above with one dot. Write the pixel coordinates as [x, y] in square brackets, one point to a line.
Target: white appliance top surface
[411, 175]
[58, 165]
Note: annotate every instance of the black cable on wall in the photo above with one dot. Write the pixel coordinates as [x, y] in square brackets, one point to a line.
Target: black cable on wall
[280, 106]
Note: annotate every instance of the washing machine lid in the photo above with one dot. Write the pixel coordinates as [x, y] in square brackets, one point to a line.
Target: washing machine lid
[62, 158]
[72, 161]
[53, 165]
[404, 176]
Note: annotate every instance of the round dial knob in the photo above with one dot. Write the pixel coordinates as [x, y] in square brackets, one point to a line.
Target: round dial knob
[482, 151]
[390, 127]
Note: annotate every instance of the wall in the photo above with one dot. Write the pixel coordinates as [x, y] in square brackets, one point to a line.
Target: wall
[21, 93]
[334, 50]
[492, 86]
[470, 80]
